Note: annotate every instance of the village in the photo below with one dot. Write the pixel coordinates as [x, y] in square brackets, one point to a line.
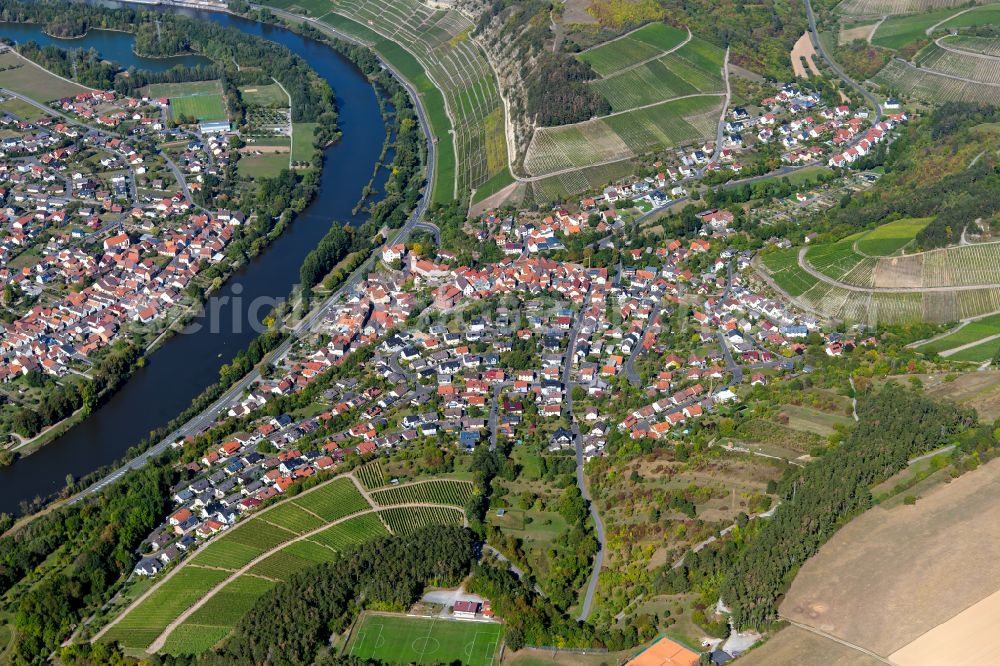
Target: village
[103, 240]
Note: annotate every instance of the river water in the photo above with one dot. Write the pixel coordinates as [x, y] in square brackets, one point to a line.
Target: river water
[182, 367]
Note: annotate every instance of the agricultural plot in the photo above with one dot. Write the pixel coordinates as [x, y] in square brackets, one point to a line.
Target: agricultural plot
[333, 500]
[971, 332]
[213, 621]
[438, 491]
[404, 521]
[890, 576]
[556, 188]
[451, 73]
[982, 45]
[183, 89]
[901, 78]
[396, 639]
[898, 31]
[638, 46]
[694, 68]
[890, 7]
[978, 353]
[963, 65]
[350, 532]
[292, 517]
[989, 14]
[834, 259]
[622, 136]
[25, 77]
[270, 95]
[964, 265]
[147, 620]
[890, 238]
[783, 266]
[371, 475]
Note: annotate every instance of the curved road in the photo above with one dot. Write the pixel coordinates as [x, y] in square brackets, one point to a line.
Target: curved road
[814, 35]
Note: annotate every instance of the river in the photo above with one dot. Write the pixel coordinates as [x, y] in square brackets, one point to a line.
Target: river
[182, 367]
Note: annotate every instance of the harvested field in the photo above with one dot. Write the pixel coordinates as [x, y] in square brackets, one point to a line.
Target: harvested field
[890, 576]
[899, 271]
[973, 629]
[804, 51]
[862, 32]
[793, 645]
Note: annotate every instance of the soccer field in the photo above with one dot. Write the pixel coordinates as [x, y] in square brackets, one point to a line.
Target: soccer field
[406, 640]
[201, 107]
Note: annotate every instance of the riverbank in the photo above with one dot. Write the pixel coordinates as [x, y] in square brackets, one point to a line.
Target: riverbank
[171, 382]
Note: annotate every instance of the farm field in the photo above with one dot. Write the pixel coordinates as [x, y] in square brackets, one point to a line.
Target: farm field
[902, 78]
[640, 45]
[397, 639]
[267, 548]
[22, 109]
[898, 31]
[793, 645]
[270, 95]
[693, 68]
[979, 353]
[201, 107]
[438, 491]
[370, 475]
[891, 575]
[982, 45]
[882, 7]
[988, 14]
[964, 65]
[622, 136]
[24, 77]
[262, 166]
[971, 332]
[556, 188]
[432, 50]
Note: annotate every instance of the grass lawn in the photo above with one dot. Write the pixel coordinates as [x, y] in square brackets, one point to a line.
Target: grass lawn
[302, 144]
[185, 89]
[23, 110]
[262, 166]
[411, 640]
[270, 95]
[979, 353]
[24, 77]
[203, 107]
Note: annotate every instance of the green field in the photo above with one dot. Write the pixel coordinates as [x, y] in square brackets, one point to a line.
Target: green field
[168, 90]
[302, 144]
[24, 77]
[979, 353]
[203, 107]
[643, 44]
[438, 491]
[986, 15]
[406, 640]
[22, 109]
[898, 31]
[270, 95]
[834, 259]
[892, 237]
[370, 475]
[262, 166]
[333, 500]
[975, 330]
[451, 74]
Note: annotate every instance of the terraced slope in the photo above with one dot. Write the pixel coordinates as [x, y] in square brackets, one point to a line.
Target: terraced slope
[433, 49]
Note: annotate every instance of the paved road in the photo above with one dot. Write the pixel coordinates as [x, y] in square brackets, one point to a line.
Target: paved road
[630, 371]
[814, 35]
[588, 597]
[205, 419]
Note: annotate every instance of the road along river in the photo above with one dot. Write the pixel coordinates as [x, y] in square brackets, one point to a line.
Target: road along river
[182, 367]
